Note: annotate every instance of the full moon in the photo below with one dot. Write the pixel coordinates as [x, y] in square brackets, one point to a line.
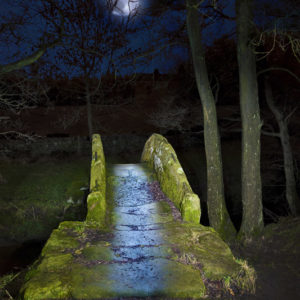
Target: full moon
[125, 7]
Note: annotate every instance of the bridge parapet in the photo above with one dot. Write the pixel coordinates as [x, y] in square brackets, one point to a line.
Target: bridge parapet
[160, 155]
[96, 201]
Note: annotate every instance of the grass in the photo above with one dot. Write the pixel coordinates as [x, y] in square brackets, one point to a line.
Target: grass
[4, 281]
[246, 279]
[37, 196]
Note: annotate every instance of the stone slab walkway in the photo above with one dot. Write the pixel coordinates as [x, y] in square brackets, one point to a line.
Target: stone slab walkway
[141, 255]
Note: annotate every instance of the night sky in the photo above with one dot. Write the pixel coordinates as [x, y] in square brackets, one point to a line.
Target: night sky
[141, 41]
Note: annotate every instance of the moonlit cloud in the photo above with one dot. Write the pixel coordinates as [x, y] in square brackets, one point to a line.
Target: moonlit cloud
[124, 7]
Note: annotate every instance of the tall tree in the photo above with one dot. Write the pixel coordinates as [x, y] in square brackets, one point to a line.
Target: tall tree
[94, 42]
[281, 38]
[252, 220]
[289, 171]
[217, 211]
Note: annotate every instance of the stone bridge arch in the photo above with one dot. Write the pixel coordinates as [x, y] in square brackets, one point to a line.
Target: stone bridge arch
[145, 252]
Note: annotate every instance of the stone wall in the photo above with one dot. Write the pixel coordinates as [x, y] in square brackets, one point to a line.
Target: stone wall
[160, 155]
[96, 200]
[45, 146]
[113, 144]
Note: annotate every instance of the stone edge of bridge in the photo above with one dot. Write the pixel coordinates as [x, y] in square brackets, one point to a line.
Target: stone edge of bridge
[159, 154]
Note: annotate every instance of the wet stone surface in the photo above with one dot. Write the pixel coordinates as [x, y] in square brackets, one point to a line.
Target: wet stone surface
[139, 216]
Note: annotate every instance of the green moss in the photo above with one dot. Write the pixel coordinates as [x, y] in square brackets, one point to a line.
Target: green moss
[91, 283]
[112, 181]
[55, 263]
[199, 244]
[77, 225]
[164, 207]
[97, 180]
[50, 279]
[190, 207]
[161, 157]
[163, 218]
[96, 207]
[185, 282]
[59, 241]
[97, 252]
[97, 198]
[47, 286]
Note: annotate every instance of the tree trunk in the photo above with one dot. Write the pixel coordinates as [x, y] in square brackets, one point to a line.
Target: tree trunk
[252, 221]
[218, 215]
[290, 181]
[89, 110]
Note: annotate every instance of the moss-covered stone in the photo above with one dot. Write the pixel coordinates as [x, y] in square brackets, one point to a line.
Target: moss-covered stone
[164, 207]
[71, 225]
[190, 207]
[95, 270]
[96, 199]
[105, 281]
[59, 241]
[96, 207]
[91, 283]
[97, 182]
[200, 244]
[47, 286]
[186, 282]
[50, 280]
[97, 252]
[160, 155]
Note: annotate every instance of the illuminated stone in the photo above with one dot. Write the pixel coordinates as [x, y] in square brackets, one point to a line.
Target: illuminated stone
[160, 156]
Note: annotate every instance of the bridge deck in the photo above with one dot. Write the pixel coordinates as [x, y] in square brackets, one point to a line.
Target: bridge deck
[141, 264]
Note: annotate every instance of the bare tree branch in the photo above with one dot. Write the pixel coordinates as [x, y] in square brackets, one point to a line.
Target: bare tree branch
[279, 69]
[26, 60]
[32, 58]
[273, 134]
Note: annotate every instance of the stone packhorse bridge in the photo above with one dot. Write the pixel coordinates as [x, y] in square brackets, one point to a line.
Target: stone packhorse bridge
[135, 242]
